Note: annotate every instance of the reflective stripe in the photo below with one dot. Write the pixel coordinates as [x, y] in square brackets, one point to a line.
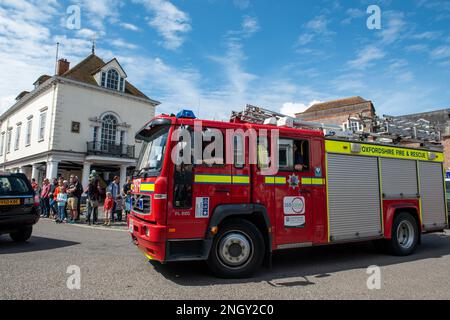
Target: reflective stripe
[147, 187]
[313, 181]
[221, 179]
[275, 180]
[241, 180]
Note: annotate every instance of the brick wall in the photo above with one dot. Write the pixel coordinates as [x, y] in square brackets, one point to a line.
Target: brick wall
[338, 116]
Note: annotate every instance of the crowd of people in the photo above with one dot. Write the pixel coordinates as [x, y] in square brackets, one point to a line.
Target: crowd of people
[61, 199]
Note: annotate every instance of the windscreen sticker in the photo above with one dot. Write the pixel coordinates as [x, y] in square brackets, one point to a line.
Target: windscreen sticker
[294, 205]
[202, 207]
[294, 221]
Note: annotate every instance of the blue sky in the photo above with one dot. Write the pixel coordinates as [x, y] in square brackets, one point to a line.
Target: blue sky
[214, 56]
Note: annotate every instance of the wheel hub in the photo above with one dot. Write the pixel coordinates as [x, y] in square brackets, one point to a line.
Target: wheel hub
[405, 234]
[234, 249]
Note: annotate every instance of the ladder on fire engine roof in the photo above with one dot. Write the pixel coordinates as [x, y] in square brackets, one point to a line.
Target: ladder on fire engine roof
[387, 129]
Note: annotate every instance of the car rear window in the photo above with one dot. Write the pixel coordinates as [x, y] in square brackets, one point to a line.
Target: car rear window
[13, 186]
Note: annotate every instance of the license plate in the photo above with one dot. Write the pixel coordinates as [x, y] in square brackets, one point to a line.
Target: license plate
[9, 202]
[131, 226]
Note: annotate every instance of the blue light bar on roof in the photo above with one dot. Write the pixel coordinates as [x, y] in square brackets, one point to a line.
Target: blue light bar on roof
[187, 114]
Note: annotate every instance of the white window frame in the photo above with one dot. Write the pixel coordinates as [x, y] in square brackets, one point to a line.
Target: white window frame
[28, 132]
[2, 143]
[286, 145]
[8, 140]
[17, 140]
[42, 123]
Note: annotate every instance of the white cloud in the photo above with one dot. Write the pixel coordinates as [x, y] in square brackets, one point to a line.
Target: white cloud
[416, 48]
[90, 34]
[352, 14]
[316, 28]
[120, 43]
[250, 25]
[99, 11]
[129, 26]
[393, 27]
[169, 21]
[26, 48]
[441, 52]
[292, 108]
[427, 35]
[241, 4]
[366, 58]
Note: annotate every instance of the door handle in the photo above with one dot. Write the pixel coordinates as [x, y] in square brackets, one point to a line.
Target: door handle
[222, 190]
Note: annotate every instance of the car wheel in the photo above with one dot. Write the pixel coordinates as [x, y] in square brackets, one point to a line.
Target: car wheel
[22, 234]
[405, 235]
[238, 250]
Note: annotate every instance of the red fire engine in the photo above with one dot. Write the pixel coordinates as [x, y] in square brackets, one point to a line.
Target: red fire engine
[328, 189]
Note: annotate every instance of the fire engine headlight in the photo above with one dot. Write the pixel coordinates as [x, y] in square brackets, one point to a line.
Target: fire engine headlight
[147, 232]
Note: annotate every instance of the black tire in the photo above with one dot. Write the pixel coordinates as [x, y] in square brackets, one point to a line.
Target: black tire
[217, 260]
[401, 243]
[22, 234]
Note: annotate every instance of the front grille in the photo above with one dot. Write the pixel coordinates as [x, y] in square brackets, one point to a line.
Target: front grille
[142, 204]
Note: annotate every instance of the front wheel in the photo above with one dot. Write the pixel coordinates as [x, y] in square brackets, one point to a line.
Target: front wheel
[405, 235]
[22, 234]
[237, 251]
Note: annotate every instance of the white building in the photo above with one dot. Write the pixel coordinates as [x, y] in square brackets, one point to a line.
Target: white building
[81, 119]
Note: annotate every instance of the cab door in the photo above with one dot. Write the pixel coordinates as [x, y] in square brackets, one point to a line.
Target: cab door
[293, 194]
[197, 190]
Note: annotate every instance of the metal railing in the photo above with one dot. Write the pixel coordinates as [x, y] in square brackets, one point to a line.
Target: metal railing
[112, 150]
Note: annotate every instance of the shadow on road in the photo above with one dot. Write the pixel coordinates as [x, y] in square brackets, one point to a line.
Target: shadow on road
[7, 246]
[305, 265]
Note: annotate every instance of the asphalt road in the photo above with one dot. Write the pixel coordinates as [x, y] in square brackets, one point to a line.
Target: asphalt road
[112, 268]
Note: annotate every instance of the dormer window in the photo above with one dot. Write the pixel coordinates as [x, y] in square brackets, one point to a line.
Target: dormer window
[112, 80]
[111, 76]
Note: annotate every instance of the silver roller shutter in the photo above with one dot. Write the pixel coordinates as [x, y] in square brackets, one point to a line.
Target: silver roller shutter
[399, 178]
[353, 197]
[432, 193]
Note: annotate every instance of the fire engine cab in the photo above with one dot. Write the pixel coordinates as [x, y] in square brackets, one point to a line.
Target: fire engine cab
[330, 187]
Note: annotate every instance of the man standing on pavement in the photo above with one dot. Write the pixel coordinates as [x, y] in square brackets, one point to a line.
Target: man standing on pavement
[127, 186]
[93, 197]
[73, 193]
[114, 188]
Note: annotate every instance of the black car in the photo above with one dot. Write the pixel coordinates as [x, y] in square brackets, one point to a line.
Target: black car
[19, 210]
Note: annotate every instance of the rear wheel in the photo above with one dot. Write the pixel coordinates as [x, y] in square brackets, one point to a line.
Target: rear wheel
[405, 235]
[237, 251]
[22, 235]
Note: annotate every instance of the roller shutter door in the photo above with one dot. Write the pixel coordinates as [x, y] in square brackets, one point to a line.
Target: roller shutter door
[432, 195]
[353, 197]
[399, 178]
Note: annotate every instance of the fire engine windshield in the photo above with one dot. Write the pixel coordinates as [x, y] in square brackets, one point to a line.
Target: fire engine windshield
[152, 153]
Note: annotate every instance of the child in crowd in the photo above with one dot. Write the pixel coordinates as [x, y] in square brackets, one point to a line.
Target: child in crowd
[119, 207]
[61, 200]
[108, 207]
[127, 205]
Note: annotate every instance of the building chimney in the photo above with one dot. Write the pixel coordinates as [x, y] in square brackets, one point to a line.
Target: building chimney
[63, 67]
